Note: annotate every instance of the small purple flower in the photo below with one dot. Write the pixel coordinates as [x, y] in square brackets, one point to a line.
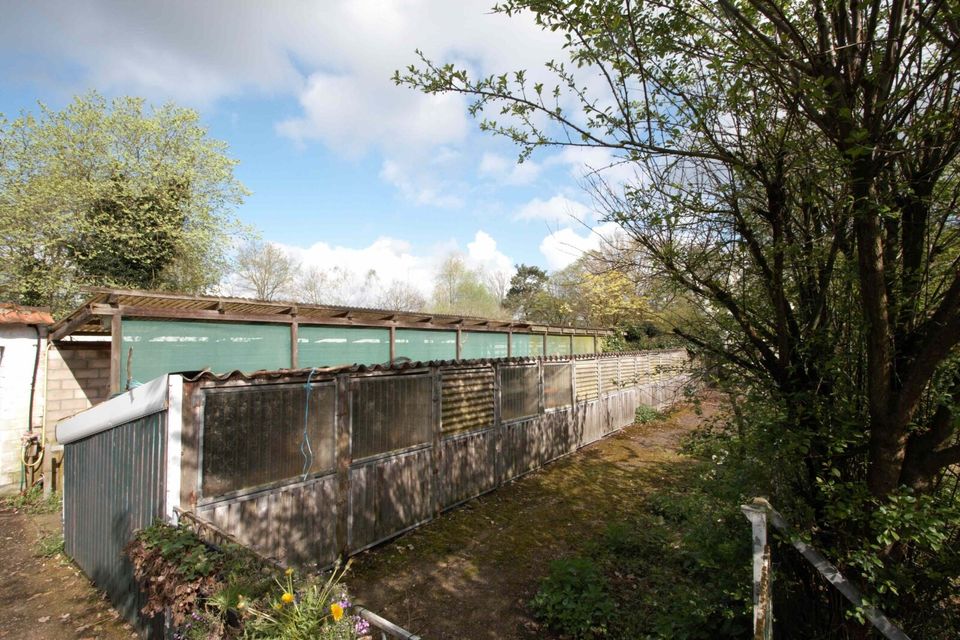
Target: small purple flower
[345, 602]
[361, 626]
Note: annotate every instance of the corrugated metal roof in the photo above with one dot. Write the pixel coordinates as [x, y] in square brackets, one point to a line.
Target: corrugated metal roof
[174, 306]
[11, 313]
[263, 375]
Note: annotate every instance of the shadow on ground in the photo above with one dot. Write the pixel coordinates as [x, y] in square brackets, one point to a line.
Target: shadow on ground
[470, 574]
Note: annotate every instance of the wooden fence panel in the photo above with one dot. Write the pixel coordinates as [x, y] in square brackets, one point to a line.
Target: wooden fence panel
[467, 466]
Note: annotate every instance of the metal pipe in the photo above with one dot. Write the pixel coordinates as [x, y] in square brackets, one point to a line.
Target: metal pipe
[33, 379]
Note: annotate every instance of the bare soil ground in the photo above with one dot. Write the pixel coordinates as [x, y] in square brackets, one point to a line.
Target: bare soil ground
[470, 574]
[43, 598]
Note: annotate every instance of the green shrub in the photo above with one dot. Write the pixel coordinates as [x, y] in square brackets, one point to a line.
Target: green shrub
[574, 600]
[646, 414]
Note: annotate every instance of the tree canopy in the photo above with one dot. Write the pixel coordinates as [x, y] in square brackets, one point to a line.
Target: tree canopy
[112, 193]
[796, 183]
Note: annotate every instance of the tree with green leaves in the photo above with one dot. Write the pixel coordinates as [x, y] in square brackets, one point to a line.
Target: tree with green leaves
[460, 290]
[112, 193]
[797, 168]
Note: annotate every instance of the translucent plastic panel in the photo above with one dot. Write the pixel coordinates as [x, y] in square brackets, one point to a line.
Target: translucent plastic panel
[583, 344]
[329, 346]
[418, 344]
[390, 413]
[557, 385]
[161, 347]
[476, 344]
[526, 345]
[558, 345]
[519, 392]
[254, 436]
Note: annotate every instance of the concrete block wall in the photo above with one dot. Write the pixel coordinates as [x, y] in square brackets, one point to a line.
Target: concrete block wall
[78, 377]
[19, 343]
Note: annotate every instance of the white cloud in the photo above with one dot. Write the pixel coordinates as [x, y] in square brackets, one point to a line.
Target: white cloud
[506, 170]
[395, 260]
[418, 187]
[564, 246]
[558, 210]
[483, 253]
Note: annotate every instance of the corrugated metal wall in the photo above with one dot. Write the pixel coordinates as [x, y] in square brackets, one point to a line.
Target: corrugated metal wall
[416, 442]
[113, 486]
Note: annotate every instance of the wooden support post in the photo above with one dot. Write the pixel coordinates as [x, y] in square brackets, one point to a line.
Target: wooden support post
[344, 428]
[459, 341]
[436, 488]
[762, 588]
[116, 352]
[294, 344]
[497, 428]
[596, 344]
[544, 345]
[393, 343]
[509, 344]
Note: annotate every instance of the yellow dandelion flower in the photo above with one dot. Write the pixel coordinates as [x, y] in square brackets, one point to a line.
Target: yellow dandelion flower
[278, 606]
[289, 572]
[337, 611]
[286, 598]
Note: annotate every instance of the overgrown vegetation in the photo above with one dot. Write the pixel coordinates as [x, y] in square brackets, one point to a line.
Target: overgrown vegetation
[33, 501]
[227, 592]
[796, 188]
[50, 545]
[677, 568]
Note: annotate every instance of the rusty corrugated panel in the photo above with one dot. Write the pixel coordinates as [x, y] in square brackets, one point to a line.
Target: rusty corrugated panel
[113, 487]
[586, 373]
[467, 399]
[11, 313]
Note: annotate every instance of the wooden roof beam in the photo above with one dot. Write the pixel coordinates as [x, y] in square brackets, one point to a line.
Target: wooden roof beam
[82, 317]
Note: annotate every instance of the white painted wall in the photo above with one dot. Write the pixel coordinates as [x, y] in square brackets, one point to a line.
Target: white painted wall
[19, 344]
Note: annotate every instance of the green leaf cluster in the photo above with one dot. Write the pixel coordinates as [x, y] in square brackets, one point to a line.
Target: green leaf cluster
[112, 193]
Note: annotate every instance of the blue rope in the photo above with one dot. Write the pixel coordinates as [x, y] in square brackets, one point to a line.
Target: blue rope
[308, 453]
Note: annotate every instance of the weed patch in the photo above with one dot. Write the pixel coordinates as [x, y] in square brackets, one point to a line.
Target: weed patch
[33, 502]
[227, 592]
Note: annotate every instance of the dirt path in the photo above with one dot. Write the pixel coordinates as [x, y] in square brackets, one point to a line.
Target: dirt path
[469, 574]
[47, 598]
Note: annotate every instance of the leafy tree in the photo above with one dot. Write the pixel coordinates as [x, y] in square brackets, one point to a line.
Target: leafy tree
[111, 193]
[528, 282]
[460, 290]
[797, 183]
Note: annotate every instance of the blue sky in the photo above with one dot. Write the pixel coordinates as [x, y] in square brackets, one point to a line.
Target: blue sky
[345, 168]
